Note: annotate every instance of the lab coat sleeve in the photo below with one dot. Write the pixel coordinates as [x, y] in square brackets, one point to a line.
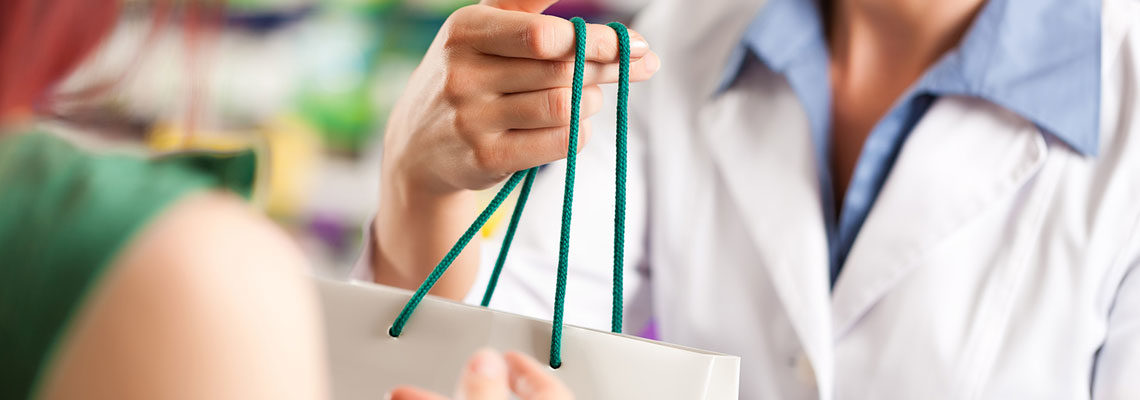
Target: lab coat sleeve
[1117, 374]
[362, 269]
[526, 285]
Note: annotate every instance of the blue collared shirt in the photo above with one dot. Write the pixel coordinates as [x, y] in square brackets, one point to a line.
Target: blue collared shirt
[1037, 58]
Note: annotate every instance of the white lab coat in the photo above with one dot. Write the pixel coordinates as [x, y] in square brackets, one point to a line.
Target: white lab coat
[997, 263]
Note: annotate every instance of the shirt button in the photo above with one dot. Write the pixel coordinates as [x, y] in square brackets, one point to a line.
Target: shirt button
[803, 369]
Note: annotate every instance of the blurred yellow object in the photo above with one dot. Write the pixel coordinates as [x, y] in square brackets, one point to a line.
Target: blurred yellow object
[294, 154]
[503, 213]
[168, 137]
[288, 149]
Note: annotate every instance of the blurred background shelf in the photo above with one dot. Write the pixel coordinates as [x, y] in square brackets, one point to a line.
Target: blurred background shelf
[308, 83]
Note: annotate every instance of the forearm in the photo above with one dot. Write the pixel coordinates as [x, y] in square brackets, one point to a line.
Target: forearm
[413, 230]
[1118, 361]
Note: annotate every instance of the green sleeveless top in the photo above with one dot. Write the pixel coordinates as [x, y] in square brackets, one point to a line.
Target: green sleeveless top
[64, 215]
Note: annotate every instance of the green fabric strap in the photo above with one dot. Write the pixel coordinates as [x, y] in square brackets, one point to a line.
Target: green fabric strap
[567, 203]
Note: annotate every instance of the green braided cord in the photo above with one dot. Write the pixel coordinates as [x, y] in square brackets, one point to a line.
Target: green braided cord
[619, 175]
[568, 192]
[524, 193]
[567, 205]
[406, 313]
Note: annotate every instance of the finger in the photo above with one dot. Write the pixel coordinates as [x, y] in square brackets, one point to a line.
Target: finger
[530, 6]
[411, 393]
[543, 108]
[516, 75]
[484, 378]
[522, 35]
[519, 149]
[530, 381]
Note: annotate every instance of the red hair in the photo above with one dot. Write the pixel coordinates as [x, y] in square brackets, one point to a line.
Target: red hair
[42, 41]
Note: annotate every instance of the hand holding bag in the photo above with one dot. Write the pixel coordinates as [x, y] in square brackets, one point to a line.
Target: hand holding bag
[428, 341]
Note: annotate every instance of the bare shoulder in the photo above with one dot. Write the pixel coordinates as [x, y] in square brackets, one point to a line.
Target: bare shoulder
[216, 233]
[207, 293]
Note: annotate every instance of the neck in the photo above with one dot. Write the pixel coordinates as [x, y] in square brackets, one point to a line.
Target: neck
[879, 48]
[909, 34]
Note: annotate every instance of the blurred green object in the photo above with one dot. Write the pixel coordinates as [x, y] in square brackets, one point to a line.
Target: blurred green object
[256, 6]
[354, 58]
[246, 6]
[343, 118]
[439, 7]
[362, 7]
[337, 56]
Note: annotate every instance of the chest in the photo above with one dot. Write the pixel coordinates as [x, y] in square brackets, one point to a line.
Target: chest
[988, 243]
[857, 108]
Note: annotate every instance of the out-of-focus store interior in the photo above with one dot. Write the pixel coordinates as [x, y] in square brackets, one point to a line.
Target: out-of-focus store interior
[308, 83]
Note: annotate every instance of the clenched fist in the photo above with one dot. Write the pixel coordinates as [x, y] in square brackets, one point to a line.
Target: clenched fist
[491, 97]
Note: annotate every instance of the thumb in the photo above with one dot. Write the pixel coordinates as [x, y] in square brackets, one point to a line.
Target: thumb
[485, 378]
[530, 6]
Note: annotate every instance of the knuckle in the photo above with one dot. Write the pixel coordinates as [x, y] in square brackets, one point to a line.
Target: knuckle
[563, 71]
[455, 29]
[558, 105]
[464, 124]
[561, 141]
[464, 14]
[564, 140]
[606, 49]
[455, 86]
[487, 157]
[455, 37]
[538, 37]
[561, 138]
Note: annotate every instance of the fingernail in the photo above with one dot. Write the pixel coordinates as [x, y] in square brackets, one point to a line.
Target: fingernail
[523, 388]
[638, 46]
[652, 63]
[388, 396]
[488, 364]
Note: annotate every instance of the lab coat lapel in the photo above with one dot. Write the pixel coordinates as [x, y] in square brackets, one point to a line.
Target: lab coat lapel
[964, 155]
[758, 136]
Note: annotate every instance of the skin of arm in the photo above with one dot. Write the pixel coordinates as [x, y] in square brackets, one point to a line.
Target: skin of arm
[209, 300]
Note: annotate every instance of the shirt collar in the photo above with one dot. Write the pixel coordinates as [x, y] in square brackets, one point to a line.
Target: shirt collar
[1037, 58]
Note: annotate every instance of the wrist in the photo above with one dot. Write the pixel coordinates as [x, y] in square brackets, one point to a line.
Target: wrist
[408, 190]
[414, 225]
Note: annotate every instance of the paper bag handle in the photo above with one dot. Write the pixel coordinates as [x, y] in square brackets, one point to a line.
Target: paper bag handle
[527, 177]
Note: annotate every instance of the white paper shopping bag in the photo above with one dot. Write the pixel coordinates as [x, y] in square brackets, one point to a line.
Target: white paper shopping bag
[380, 337]
[434, 346]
